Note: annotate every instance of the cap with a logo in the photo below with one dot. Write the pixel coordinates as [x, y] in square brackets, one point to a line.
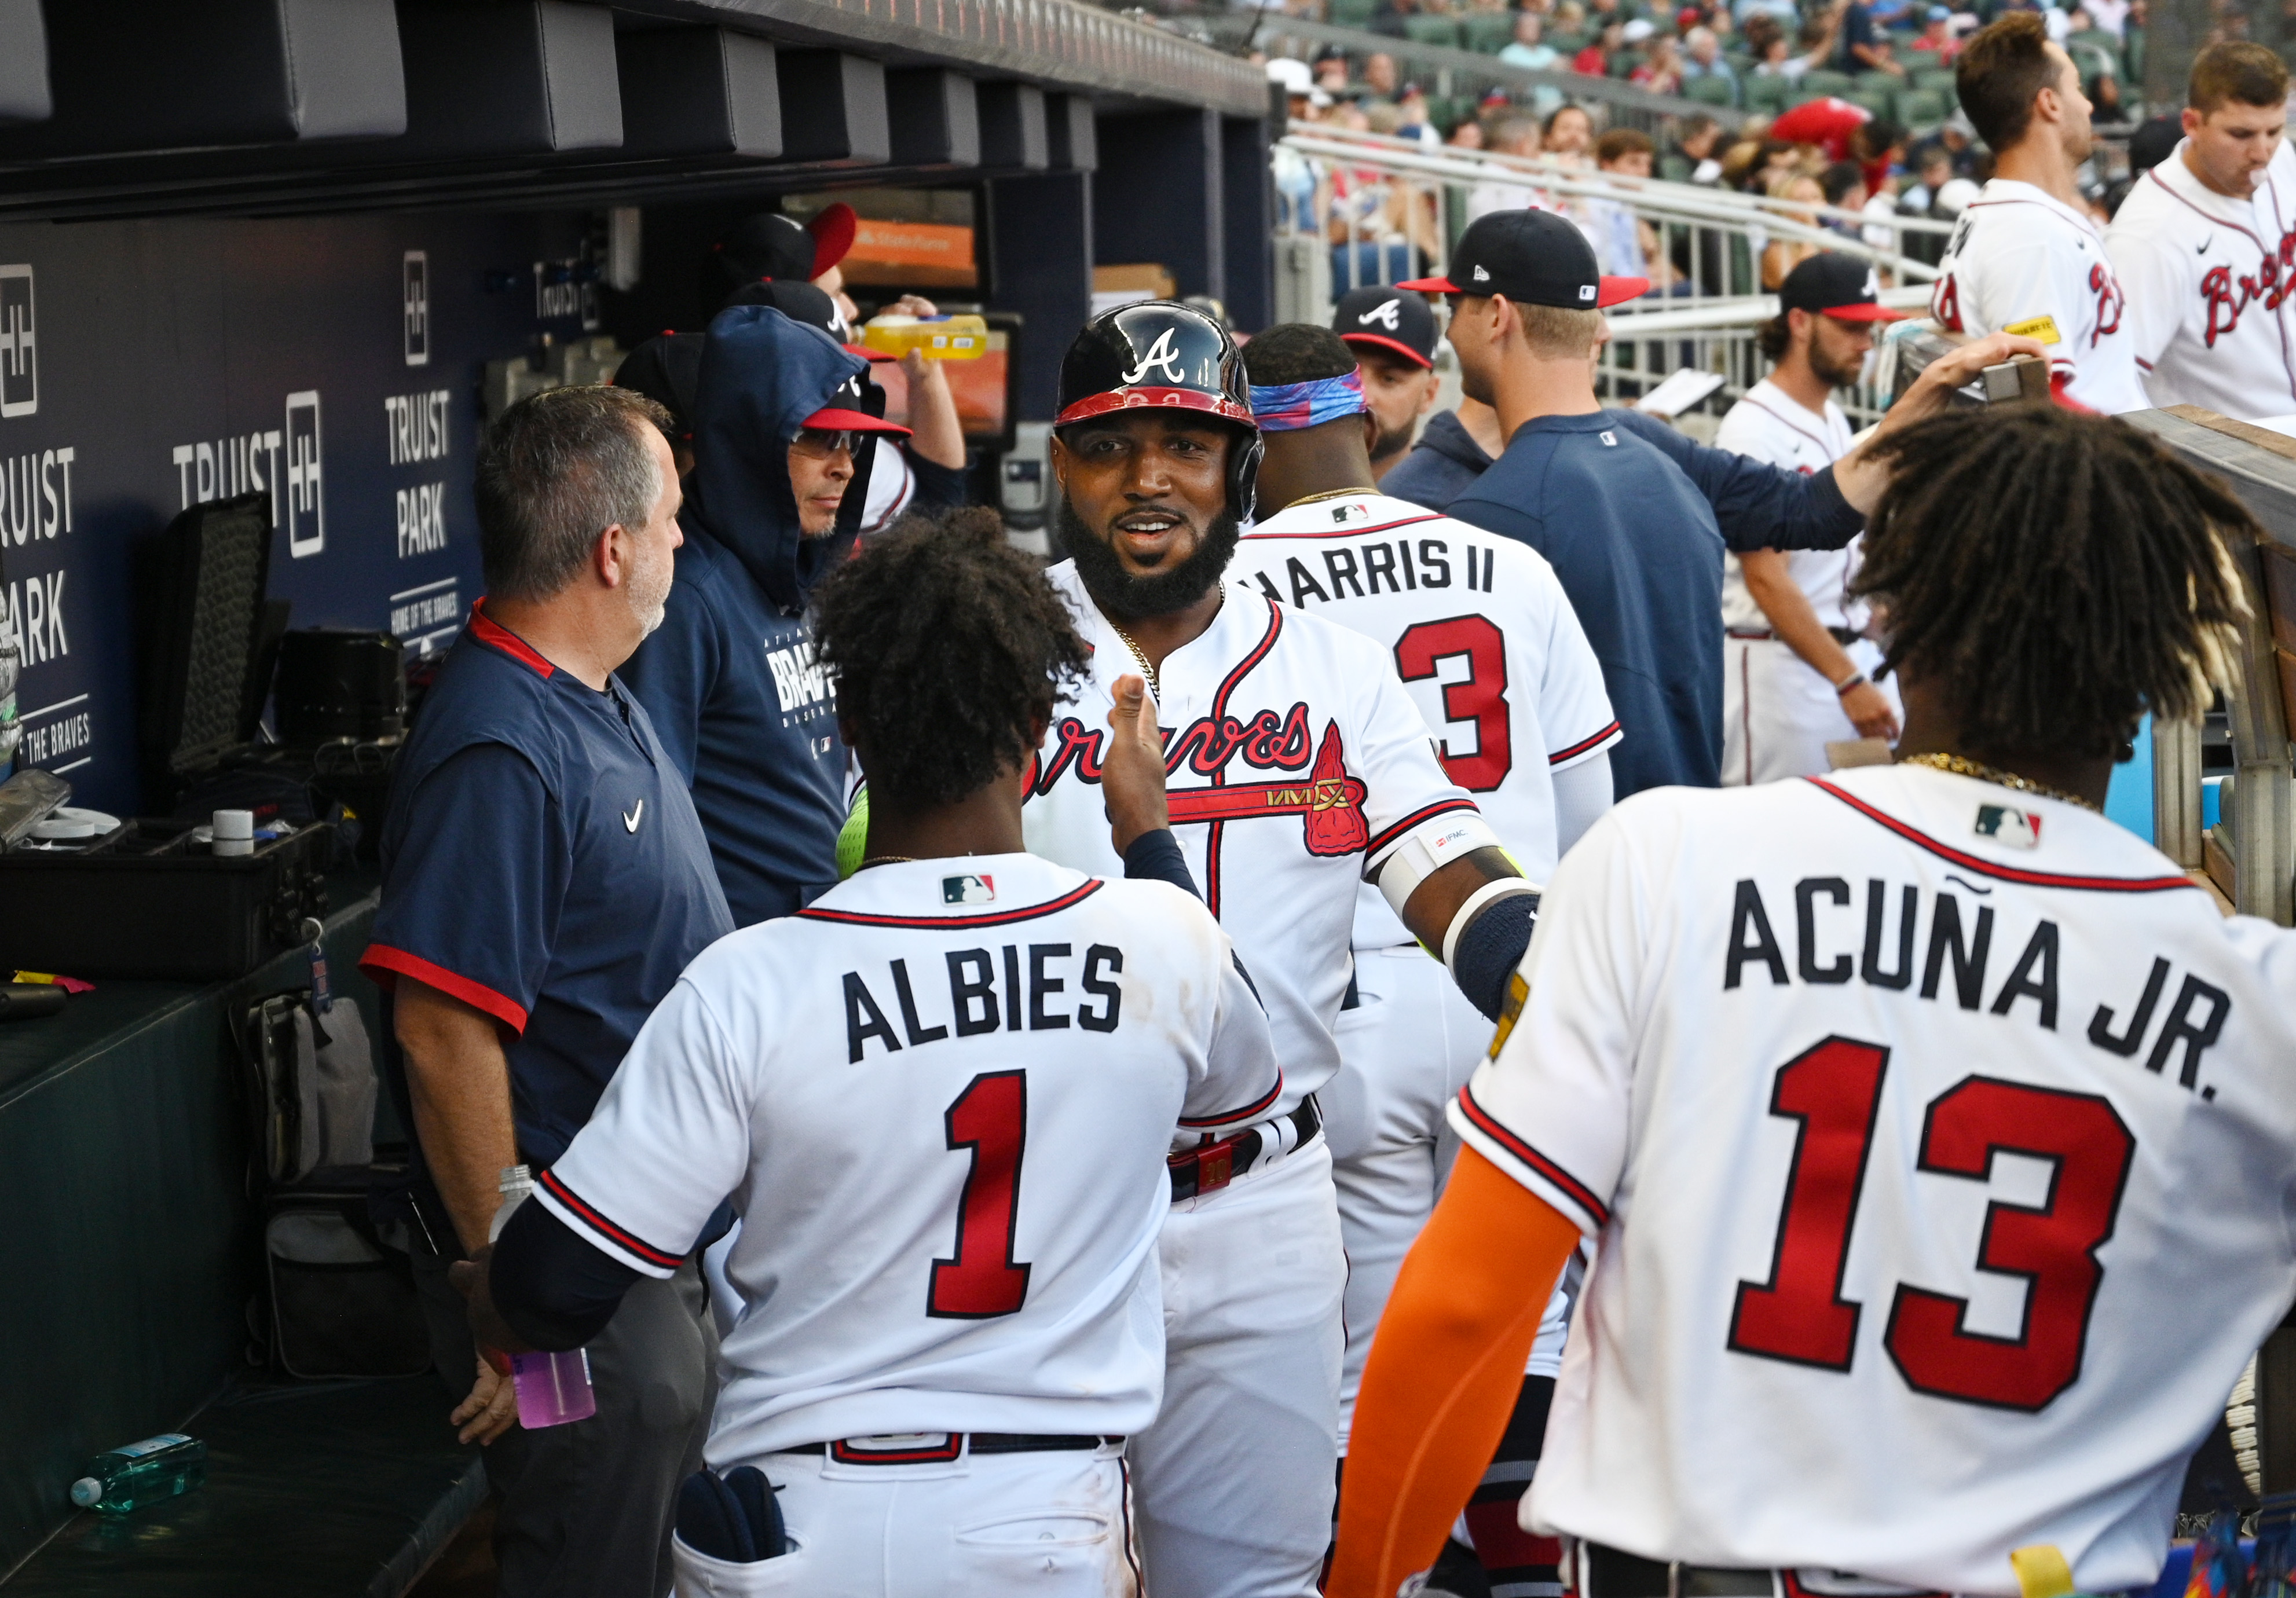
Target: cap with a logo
[1533, 257]
[803, 303]
[1377, 317]
[770, 245]
[1843, 287]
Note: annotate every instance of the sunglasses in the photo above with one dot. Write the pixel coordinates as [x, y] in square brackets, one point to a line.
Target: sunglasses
[822, 442]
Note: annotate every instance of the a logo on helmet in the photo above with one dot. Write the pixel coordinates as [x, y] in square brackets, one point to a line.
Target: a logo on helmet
[1163, 357]
[1387, 313]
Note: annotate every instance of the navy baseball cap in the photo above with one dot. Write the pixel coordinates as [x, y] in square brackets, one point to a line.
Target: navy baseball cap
[1377, 317]
[1843, 287]
[1533, 257]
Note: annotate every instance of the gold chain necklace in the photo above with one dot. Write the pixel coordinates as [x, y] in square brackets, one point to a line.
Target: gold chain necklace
[1961, 765]
[1308, 499]
[1155, 687]
[886, 860]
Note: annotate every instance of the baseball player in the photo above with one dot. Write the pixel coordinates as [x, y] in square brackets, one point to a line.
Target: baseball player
[2205, 245]
[1797, 671]
[941, 1096]
[1393, 335]
[1298, 768]
[1936, 1129]
[1484, 639]
[2025, 258]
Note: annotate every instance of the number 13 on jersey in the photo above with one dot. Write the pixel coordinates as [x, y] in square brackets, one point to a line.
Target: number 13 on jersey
[1833, 1092]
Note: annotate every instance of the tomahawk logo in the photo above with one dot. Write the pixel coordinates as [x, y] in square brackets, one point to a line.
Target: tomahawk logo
[1161, 357]
[1387, 313]
[302, 501]
[1872, 289]
[19, 374]
[414, 285]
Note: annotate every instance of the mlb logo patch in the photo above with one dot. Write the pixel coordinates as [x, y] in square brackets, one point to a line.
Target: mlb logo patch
[2012, 829]
[1351, 512]
[967, 891]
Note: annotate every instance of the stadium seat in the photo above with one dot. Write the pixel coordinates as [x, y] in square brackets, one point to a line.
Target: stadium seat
[1712, 90]
[1819, 81]
[1940, 79]
[1881, 102]
[1566, 42]
[1431, 30]
[1767, 93]
[1922, 108]
[1675, 168]
[1487, 31]
[1352, 13]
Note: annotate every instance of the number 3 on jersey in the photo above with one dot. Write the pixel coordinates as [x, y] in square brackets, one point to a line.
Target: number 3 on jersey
[980, 1281]
[1480, 697]
[1835, 1092]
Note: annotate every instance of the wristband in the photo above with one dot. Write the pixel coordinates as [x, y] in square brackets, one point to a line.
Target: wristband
[1428, 849]
[1500, 887]
[1857, 679]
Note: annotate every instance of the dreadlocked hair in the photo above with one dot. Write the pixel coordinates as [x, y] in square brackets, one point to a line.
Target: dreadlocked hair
[2058, 575]
[950, 650]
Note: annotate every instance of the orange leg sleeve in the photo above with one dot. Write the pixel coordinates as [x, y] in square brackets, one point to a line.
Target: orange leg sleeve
[1444, 1371]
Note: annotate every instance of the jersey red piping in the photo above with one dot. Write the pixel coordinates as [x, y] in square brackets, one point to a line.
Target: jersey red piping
[1218, 831]
[1352, 532]
[381, 960]
[499, 637]
[998, 918]
[2279, 321]
[1427, 814]
[605, 1228]
[1584, 745]
[1575, 1190]
[2003, 873]
[1245, 1113]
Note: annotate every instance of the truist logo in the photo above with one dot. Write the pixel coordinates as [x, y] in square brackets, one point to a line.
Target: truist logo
[1161, 357]
[2226, 295]
[414, 299]
[20, 371]
[302, 506]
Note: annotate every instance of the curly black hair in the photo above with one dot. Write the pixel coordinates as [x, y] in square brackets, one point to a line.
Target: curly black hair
[2060, 575]
[950, 651]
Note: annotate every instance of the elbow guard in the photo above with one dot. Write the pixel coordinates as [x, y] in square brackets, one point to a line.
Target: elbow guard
[1487, 940]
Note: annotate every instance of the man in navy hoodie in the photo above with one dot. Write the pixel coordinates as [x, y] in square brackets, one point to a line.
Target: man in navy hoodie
[729, 676]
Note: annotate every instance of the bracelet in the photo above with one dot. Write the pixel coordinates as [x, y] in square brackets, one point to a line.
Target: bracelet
[1857, 679]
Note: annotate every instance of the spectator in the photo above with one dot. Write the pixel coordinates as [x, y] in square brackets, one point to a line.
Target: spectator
[1411, 107]
[1527, 49]
[1660, 71]
[1467, 135]
[1864, 47]
[1568, 135]
[1704, 59]
[1938, 37]
[1844, 188]
[544, 880]
[1840, 132]
[2111, 16]
[1696, 143]
[1958, 140]
[1625, 155]
[1782, 256]
[1391, 18]
[1516, 135]
[1379, 75]
[1331, 71]
[1595, 61]
[1784, 12]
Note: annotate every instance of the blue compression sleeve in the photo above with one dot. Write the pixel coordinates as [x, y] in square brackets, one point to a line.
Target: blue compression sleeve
[1489, 949]
[554, 1288]
[1156, 856]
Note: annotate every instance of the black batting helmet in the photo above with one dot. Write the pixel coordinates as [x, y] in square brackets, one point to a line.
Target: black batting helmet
[1163, 355]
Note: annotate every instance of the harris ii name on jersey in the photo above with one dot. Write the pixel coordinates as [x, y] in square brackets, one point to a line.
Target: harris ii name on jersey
[1362, 570]
[1941, 947]
[1010, 989]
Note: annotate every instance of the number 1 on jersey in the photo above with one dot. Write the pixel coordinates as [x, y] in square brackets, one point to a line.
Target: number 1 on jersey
[980, 1281]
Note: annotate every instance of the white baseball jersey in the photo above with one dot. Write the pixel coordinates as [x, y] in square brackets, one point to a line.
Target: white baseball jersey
[940, 1096]
[1296, 763]
[2023, 261]
[1953, 1129]
[1483, 637]
[1770, 425]
[2208, 277]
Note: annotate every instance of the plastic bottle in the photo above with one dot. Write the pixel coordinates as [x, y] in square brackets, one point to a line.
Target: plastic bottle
[552, 1389]
[959, 338]
[159, 1467]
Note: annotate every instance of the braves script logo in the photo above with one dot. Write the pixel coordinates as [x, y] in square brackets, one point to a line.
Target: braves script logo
[1163, 357]
[2227, 296]
[2107, 289]
[1387, 313]
[1329, 802]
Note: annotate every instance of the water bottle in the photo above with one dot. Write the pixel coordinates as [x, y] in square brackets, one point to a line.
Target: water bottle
[159, 1467]
[552, 1389]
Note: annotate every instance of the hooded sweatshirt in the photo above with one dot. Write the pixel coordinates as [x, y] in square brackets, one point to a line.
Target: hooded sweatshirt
[729, 677]
[1441, 466]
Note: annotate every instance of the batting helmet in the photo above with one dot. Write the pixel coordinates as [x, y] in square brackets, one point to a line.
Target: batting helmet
[1163, 355]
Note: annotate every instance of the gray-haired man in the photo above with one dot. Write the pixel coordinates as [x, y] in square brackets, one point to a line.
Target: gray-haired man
[545, 881]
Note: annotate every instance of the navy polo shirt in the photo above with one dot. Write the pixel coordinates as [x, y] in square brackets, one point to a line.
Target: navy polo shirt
[1634, 518]
[542, 862]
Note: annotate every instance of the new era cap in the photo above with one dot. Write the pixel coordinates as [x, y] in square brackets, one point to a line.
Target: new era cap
[1533, 257]
[1391, 319]
[1834, 285]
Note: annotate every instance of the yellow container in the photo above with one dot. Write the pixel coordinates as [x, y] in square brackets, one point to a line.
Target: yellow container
[940, 338]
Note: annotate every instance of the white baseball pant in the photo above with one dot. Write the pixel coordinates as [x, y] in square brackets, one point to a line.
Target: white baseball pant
[984, 1527]
[1778, 714]
[1233, 1482]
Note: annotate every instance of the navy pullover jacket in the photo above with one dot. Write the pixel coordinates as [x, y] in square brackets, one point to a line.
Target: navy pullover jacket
[729, 677]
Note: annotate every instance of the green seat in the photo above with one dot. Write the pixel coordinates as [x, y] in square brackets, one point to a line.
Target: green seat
[1712, 90]
[1818, 81]
[1566, 42]
[1623, 62]
[1922, 108]
[1882, 102]
[1487, 31]
[1353, 13]
[1940, 79]
[1675, 168]
[1431, 30]
[1767, 92]
[1740, 62]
